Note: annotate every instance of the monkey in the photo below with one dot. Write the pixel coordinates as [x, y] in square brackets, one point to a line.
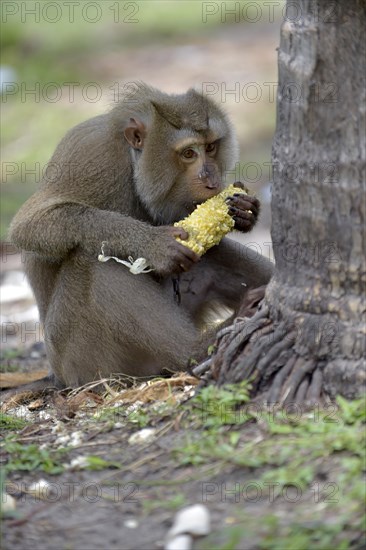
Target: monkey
[122, 179]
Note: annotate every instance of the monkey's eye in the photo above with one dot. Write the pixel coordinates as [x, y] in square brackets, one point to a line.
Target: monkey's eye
[211, 148]
[189, 154]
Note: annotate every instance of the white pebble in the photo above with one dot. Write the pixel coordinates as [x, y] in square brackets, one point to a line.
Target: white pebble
[143, 436]
[58, 427]
[131, 523]
[21, 412]
[40, 489]
[62, 440]
[135, 406]
[194, 520]
[71, 440]
[79, 462]
[180, 542]
[8, 503]
[76, 438]
[44, 415]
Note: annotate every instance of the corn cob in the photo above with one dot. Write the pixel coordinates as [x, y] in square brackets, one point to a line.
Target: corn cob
[209, 222]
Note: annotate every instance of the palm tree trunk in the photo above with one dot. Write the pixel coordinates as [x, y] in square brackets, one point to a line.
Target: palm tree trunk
[308, 338]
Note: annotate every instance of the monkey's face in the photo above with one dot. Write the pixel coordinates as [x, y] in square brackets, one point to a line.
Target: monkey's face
[200, 175]
[189, 172]
[181, 152]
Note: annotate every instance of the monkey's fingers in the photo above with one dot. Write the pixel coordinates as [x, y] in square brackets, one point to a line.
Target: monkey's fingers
[186, 258]
[180, 233]
[241, 185]
[244, 202]
[244, 220]
[177, 258]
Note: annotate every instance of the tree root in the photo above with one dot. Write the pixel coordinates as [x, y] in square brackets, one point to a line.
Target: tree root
[268, 355]
[235, 340]
[289, 354]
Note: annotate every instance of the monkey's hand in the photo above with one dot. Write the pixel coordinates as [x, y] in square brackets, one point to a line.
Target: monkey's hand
[244, 209]
[166, 255]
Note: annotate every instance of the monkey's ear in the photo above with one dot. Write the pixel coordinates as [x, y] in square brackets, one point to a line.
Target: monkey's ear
[135, 133]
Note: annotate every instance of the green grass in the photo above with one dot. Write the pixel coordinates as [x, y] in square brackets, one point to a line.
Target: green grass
[286, 444]
[293, 452]
[29, 458]
[274, 536]
[6, 356]
[223, 437]
[175, 502]
[11, 423]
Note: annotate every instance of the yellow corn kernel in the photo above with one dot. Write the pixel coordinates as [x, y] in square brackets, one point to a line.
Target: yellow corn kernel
[209, 222]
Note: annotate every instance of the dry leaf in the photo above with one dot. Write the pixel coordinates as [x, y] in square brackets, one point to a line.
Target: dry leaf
[36, 404]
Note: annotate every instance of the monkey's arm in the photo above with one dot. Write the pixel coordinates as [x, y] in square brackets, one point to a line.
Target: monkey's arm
[54, 226]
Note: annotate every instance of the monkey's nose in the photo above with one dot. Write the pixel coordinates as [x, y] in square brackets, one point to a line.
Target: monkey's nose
[208, 177]
[203, 175]
[209, 180]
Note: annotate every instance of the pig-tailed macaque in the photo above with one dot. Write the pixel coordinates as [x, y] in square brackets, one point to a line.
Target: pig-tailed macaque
[123, 179]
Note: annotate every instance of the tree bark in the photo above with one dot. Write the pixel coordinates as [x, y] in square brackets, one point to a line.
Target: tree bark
[307, 339]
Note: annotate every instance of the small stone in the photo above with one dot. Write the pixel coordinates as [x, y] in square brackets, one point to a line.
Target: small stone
[44, 415]
[194, 520]
[79, 463]
[8, 503]
[143, 436]
[180, 542]
[131, 523]
[22, 412]
[40, 489]
[76, 438]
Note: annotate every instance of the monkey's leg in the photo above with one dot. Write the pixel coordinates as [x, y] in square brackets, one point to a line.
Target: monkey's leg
[239, 263]
[102, 320]
[224, 275]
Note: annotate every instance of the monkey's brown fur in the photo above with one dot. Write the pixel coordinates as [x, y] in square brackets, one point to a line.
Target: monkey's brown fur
[124, 178]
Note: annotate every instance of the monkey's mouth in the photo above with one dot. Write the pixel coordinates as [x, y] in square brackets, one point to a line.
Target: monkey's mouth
[205, 195]
[190, 206]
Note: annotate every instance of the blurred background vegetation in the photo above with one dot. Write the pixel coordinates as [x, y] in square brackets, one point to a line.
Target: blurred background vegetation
[64, 62]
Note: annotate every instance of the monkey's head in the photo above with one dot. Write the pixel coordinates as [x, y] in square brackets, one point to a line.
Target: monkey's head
[181, 146]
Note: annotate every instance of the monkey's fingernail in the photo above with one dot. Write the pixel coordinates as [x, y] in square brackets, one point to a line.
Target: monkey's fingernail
[232, 209]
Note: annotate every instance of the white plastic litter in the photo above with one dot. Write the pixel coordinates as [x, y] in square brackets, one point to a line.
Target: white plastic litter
[191, 521]
[136, 267]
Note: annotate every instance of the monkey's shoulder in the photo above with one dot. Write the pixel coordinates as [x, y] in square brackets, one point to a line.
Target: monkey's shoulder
[90, 140]
[92, 128]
